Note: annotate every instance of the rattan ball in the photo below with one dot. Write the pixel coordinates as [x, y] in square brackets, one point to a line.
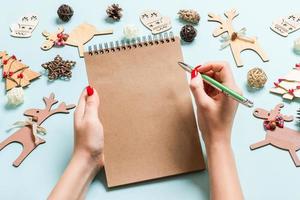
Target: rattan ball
[256, 78]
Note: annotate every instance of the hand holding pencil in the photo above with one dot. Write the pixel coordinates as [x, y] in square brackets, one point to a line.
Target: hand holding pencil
[215, 110]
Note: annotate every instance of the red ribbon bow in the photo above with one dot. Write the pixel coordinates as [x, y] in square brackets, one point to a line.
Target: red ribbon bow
[271, 125]
[61, 38]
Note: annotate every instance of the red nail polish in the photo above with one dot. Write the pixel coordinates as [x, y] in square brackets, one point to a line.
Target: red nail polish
[194, 73]
[89, 90]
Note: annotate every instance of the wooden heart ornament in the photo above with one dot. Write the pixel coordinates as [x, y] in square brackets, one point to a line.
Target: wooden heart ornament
[26, 135]
[155, 22]
[276, 134]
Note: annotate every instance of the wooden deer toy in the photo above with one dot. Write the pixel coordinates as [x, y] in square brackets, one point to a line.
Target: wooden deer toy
[25, 135]
[78, 37]
[236, 40]
[278, 135]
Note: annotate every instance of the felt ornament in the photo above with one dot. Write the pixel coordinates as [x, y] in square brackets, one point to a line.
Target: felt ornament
[155, 22]
[237, 40]
[24, 26]
[15, 96]
[286, 25]
[130, 31]
[276, 133]
[30, 129]
[297, 46]
[289, 85]
[77, 37]
[256, 78]
[17, 75]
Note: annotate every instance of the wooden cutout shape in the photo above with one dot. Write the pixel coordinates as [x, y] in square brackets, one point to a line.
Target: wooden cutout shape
[16, 67]
[77, 38]
[25, 26]
[286, 25]
[155, 22]
[24, 135]
[237, 44]
[283, 138]
[289, 85]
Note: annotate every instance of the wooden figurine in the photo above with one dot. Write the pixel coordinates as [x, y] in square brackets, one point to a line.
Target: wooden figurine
[236, 40]
[289, 85]
[155, 22]
[78, 37]
[286, 25]
[278, 135]
[15, 72]
[26, 135]
[24, 26]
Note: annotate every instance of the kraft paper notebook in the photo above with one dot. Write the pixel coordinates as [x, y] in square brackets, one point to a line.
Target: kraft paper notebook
[146, 109]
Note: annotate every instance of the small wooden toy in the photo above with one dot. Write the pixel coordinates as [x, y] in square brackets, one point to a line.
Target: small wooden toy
[27, 134]
[155, 22]
[17, 76]
[289, 85]
[277, 135]
[236, 40]
[25, 26]
[286, 25]
[78, 37]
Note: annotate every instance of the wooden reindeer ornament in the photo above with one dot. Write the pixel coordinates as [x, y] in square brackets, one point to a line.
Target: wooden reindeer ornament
[237, 41]
[278, 135]
[78, 37]
[26, 135]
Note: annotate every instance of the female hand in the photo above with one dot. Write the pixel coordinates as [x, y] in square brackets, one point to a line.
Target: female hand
[215, 110]
[89, 138]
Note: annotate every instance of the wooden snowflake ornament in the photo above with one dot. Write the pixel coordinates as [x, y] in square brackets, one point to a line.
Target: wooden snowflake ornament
[238, 41]
[289, 85]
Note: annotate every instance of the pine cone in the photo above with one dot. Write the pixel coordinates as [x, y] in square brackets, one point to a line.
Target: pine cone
[114, 11]
[188, 33]
[65, 12]
[191, 16]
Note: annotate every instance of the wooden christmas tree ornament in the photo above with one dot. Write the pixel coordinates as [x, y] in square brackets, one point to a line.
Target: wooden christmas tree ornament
[77, 37]
[27, 134]
[15, 72]
[289, 85]
[238, 41]
[277, 135]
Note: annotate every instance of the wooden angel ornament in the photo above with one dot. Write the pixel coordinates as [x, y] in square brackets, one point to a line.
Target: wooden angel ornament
[238, 41]
[289, 85]
[17, 75]
[277, 135]
[27, 135]
[77, 37]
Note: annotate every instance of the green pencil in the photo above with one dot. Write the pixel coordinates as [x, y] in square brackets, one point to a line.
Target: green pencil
[231, 93]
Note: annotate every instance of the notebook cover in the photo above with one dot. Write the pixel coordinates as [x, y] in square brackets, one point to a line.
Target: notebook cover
[146, 109]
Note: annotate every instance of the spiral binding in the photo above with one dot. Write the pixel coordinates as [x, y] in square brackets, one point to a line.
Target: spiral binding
[138, 42]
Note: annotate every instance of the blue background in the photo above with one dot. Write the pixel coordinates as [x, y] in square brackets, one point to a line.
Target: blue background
[266, 173]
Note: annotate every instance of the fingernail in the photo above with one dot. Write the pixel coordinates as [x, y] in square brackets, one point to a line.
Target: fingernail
[194, 73]
[89, 90]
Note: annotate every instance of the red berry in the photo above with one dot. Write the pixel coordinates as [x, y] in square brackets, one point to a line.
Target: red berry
[13, 57]
[4, 62]
[89, 90]
[20, 75]
[10, 73]
[59, 35]
[4, 74]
